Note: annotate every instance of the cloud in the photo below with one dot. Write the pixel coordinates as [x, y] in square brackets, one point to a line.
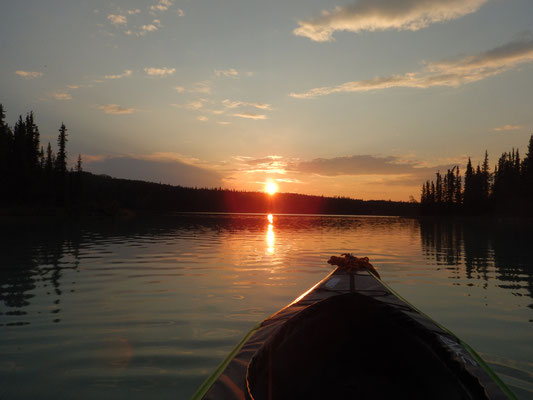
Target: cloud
[228, 73]
[133, 12]
[115, 109]
[355, 165]
[194, 105]
[268, 165]
[203, 87]
[61, 96]
[154, 168]
[223, 123]
[202, 118]
[126, 73]
[376, 15]
[162, 5]
[235, 104]
[29, 74]
[160, 72]
[149, 28]
[116, 19]
[452, 73]
[248, 115]
[180, 12]
[508, 128]
[392, 169]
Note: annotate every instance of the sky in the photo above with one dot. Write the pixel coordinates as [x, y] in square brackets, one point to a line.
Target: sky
[365, 99]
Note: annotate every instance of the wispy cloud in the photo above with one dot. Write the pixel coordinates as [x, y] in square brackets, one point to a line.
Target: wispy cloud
[248, 115]
[202, 118]
[61, 96]
[203, 87]
[194, 105]
[162, 5]
[117, 19]
[355, 165]
[391, 169]
[452, 73]
[134, 12]
[29, 74]
[115, 109]
[125, 74]
[372, 15]
[508, 128]
[228, 73]
[159, 72]
[180, 12]
[235, 104]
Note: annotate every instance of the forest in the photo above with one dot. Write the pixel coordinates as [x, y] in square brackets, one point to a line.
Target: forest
[37, 181]
[507, 189]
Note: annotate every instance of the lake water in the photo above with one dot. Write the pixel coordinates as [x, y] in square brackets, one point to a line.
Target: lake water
[148, 307]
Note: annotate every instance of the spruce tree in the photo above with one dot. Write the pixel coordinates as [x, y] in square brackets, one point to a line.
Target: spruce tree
[61, 158]
[468, 194]
[527, 177]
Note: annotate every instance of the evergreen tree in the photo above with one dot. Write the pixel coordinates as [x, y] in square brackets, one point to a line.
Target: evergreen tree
[438, 189]
[32, 142]
[468, 195]
[527, 177]
[458, 196]
[485, 178]
[61, 158]
[79, 164]
[50, 160]
[6, 158]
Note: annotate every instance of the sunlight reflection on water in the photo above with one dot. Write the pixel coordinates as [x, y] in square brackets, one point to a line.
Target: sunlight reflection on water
[148, 307]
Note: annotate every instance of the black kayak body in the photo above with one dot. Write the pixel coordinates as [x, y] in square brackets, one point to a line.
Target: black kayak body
[352, 337]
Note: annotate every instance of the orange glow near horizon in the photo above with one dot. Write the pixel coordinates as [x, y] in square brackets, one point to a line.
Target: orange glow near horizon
[271, 188]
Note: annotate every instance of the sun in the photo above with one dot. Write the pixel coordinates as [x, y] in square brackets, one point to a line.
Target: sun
[271, 188]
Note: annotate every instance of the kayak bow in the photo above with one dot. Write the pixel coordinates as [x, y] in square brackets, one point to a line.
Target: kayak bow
[351, 336]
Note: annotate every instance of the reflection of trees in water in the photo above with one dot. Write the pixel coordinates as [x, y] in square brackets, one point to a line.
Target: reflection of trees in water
[482, 246]
[35, 255]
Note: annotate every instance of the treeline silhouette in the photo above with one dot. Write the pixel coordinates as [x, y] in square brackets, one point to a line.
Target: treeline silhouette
[31, 175]
[38, 181]
[508, 189]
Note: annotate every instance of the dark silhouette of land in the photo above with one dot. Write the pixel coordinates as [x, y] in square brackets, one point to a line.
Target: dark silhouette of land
[506, 190]
[36, 181]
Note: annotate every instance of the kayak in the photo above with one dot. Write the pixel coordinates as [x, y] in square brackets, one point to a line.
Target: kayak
[351, 336]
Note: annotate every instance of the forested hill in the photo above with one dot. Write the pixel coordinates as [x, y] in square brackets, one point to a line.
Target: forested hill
[106, 195]
[36, 180]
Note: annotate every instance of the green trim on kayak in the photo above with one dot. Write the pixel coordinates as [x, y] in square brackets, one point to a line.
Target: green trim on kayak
[465, 345]
[202, 390]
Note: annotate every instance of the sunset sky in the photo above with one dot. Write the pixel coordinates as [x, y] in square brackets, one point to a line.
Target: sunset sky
[363, 98]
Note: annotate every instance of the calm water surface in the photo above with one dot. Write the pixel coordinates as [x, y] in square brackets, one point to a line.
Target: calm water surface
[147, 308]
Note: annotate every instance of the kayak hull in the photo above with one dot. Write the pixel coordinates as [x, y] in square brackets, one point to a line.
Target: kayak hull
[351, 336]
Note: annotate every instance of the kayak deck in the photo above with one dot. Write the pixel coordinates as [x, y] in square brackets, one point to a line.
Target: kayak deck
[350, 336]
